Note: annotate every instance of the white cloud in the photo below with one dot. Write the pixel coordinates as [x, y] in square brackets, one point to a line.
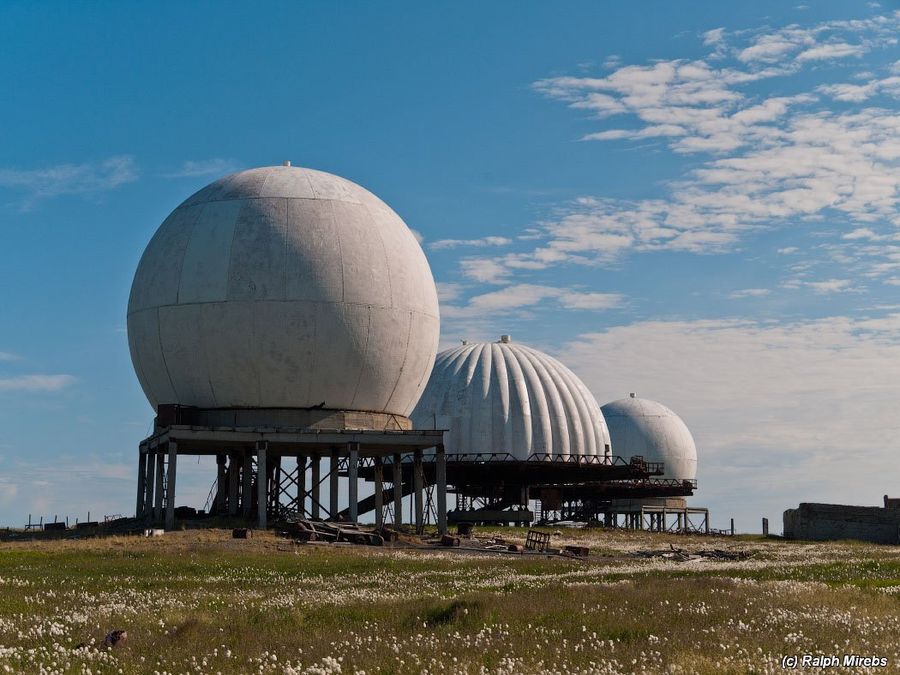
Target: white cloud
[856, 93]
[484, 271]
[831, 286]
[831, 51]
[91, 178]
[418, 235]
[714, 37]
[35, 383]
[863, 233]
[216, 166]
[749, 293]
[477, 243]
[8, 356]
[448, 291]
[805, 410]
[510, 299]
[763, 162]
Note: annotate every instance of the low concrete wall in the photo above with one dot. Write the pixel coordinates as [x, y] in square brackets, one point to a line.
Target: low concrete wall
[827, 522]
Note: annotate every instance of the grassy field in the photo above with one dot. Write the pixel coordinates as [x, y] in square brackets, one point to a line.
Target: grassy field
[199, 602]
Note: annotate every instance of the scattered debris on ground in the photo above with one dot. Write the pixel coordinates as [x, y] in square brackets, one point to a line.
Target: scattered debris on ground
[537, 540]
[681, 555]
[316, 530]
[115, 638]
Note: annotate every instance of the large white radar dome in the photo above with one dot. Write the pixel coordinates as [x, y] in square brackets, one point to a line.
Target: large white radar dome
[506, 397]
[638, 426]
[284, 287]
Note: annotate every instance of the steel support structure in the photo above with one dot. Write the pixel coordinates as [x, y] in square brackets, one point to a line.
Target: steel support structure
[255, 482]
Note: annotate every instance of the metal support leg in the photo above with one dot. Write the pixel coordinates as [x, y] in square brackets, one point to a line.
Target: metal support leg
[398, 490]
[379, 492]
[141, 484]
[221, 485]
[353, 487]
[418, 487]
[316, 479]
[160, 478]
[301, 485]
[234, 476]
[170, 486]
[246, 485]
[151, 484]
[261, 483]
[441, 480]
[333, 487]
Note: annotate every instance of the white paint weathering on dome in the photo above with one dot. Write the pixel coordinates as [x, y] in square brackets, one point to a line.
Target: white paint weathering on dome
[506, 397]
[284, 287]
[638, 426]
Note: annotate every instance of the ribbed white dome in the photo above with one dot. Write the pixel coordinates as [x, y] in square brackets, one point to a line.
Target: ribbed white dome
[638, 426]
[284, 287]
[504, 397]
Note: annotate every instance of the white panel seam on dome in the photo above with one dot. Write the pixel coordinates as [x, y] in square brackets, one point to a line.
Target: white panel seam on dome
[560, 388]
[582, 408]
[405, 357]
[247, 198]
[340, 247]
[387, 260]
[274, 300]
[199, 209]
[538, 405]
[313, 352]
[554, 397]
[426, 373]
[520, 383]
[362, 368]
[162, 353]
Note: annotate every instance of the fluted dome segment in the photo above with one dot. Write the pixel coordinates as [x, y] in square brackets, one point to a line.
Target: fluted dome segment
[284, 287]
[506, 397]
[638, 426]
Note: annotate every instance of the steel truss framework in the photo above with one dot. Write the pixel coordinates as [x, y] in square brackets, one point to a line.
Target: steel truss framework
[277, 473]
[497, 487]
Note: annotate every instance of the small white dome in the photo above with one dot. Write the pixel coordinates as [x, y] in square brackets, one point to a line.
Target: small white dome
[506, 397]
[284, 287]
[638, 426]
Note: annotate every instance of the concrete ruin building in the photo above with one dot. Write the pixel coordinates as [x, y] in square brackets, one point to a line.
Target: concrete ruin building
[829, 522]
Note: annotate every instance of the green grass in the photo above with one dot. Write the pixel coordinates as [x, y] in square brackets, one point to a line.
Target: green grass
[199, 601]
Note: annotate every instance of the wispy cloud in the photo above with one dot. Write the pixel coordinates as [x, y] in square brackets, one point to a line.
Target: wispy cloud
[35, 383]
[762, 161]
[749, 293]
[831, 286]
[204, 167]
[88, 179]
[441, 244]
[8, 356]
[448, 291]
[511, 299]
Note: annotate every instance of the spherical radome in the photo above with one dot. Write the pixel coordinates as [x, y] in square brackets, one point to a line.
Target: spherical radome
[506, 397]
[284, 287]
[638, 426]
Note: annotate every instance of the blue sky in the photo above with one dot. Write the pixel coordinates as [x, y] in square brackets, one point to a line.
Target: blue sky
[699, 202]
